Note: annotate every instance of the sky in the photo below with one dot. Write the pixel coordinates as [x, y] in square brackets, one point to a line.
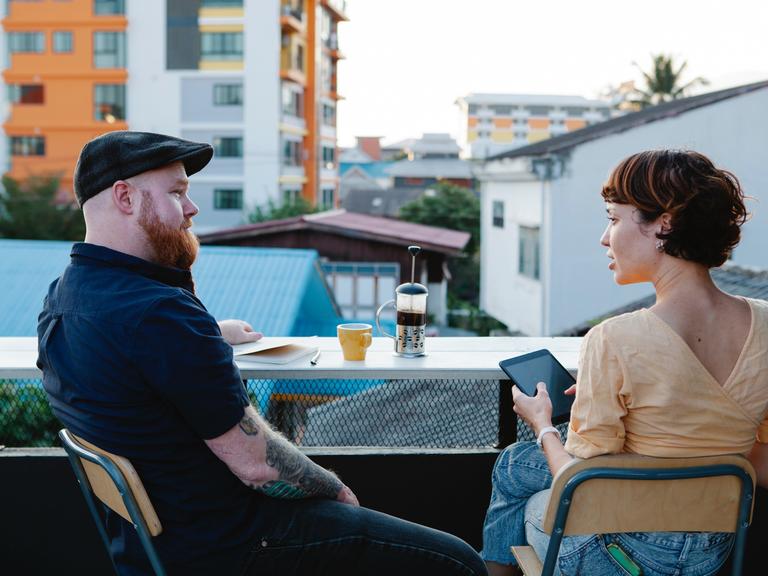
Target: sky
[407, 61]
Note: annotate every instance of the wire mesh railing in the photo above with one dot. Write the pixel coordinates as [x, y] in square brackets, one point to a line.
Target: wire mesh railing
[418, 413]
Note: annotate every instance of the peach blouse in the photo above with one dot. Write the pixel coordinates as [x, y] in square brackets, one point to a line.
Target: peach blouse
[641, 389]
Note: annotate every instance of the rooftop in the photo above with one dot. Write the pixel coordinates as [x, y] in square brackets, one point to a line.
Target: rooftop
[622, 123]
[391, 231]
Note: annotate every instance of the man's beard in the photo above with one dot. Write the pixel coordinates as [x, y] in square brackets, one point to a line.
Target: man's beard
[175, 247]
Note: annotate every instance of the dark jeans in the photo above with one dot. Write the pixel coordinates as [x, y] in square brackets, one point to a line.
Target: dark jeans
[324, 537]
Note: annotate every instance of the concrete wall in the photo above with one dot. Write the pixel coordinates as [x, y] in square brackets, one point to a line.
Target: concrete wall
[506, 295]
[197, 103]
[46, 528]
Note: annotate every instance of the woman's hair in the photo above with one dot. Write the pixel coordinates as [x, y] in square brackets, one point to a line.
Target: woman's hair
[706, 204]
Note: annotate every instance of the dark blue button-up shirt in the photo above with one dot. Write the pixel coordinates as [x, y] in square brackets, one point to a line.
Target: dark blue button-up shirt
[134, 363]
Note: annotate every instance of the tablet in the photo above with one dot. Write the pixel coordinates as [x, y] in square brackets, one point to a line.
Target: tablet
[541, 366]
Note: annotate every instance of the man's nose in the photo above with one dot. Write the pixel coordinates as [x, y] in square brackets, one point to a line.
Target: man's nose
[190, 209]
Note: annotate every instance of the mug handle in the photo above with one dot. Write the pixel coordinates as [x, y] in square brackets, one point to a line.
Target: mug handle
[367, 340]
[378, 313]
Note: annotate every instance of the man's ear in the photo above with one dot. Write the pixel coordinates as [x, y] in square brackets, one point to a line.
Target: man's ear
[124, 197]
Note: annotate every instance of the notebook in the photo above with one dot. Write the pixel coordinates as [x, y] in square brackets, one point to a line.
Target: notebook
[274, 350]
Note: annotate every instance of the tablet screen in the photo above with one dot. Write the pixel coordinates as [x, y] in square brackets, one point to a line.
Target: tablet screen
[541, 366]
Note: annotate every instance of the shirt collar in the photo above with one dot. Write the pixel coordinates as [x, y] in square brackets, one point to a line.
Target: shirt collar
[106, 256]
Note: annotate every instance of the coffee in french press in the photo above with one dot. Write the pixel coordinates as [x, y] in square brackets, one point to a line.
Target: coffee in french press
[411, 307]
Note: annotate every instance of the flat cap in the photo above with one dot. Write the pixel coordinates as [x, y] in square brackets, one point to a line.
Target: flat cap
[121, 154]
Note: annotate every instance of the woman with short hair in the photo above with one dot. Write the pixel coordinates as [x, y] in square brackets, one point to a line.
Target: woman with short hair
[686, 377]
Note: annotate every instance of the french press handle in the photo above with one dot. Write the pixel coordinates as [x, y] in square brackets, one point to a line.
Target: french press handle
[378, 323]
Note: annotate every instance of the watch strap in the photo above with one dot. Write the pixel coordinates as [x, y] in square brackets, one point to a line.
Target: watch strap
[546, 430]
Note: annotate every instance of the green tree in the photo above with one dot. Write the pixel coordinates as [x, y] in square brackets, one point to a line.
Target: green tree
[272, 211]
[450, 207]
[664, 81]
[28, 209]
[455, 208]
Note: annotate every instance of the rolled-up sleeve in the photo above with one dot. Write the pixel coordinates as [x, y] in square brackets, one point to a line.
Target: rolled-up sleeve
[596, 425]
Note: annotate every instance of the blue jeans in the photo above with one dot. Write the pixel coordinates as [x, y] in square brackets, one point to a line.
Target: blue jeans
[521, 480]
[325, 537]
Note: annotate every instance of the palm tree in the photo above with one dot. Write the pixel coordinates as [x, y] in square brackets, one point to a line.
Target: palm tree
[663, 82]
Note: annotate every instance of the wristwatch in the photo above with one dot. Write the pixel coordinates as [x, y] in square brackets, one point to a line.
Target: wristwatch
[546, 430]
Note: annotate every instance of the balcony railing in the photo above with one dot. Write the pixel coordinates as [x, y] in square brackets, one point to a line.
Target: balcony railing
[454, 397]
[439, 476]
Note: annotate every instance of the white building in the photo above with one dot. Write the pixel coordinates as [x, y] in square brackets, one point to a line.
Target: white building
[543, 269]
[496, 123]
[257, 80]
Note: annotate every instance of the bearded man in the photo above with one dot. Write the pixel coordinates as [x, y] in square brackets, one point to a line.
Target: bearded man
[133, 363]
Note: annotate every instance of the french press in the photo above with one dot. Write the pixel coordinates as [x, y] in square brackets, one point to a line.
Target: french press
[411, 306]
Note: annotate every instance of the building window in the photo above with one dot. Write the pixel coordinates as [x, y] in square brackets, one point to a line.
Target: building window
[222, 45]
[293, 102]
[529, 252]
[329, 157]
[109, 50]
[109, 102]
[228, 147]
[228, 94]
[329, 115]
[228, 199]
[292, 155]
[62, 42]
[30, 42]
[26, 94]
[27, 146]
[222, 3]
[498, 214]
[501, 110]
[291, 196]
[328, 196]
[108, 6]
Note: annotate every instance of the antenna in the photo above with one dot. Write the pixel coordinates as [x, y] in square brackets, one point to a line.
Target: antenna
[413, 250]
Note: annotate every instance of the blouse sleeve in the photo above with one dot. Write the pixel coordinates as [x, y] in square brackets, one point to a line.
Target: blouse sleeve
[762, 431]
[596, 425]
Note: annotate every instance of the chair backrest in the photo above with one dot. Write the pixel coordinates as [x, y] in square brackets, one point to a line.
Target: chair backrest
[648, 494]
[114, 481]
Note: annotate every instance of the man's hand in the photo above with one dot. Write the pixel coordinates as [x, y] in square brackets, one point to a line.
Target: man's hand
[535, 410]
[346, 496]
[238, 332]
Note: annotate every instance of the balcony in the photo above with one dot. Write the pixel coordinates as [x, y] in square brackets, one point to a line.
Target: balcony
[337, 9]
[347, 416]
[292, 20]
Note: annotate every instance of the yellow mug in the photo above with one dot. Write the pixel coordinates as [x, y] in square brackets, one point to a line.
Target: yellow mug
[354, 340]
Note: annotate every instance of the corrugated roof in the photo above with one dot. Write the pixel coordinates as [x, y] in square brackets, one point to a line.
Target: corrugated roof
[281, 292]
[623, 123]
[398, 232]
[380, 202]
[431, 168]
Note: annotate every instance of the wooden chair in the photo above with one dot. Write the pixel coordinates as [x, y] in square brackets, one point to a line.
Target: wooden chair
[631, 493]
[113, 480]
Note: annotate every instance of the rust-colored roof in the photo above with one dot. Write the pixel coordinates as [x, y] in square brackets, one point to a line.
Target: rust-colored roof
[364, 226]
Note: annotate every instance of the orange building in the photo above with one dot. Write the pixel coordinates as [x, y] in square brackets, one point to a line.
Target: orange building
[66, 82]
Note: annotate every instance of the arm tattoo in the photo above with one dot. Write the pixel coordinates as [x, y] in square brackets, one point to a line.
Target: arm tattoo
[249, 425]
[299, 477]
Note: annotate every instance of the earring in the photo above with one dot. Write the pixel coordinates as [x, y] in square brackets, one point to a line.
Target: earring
[660, 245]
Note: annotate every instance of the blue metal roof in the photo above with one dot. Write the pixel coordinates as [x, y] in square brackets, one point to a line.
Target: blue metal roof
[281, 292]
[376, 170]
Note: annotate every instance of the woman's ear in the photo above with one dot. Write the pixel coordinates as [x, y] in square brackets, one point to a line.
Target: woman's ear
[665, 221]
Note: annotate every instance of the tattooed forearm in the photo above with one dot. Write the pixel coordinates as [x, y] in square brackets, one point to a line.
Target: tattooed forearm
[298, 476]
[249, 425]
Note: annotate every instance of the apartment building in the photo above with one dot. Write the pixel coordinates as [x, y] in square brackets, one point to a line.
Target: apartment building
[255, 78]
[65, 77]
[497, 123]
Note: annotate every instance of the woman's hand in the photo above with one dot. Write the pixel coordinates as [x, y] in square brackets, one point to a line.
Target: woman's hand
[535, 410]
[238, 332]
